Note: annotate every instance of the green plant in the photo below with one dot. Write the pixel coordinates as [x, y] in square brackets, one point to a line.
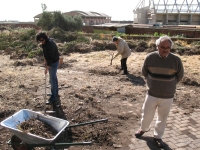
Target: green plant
[3, 46]
[16, 43]
[28, 46]
[62, 35]
[35, 53]
[95, 36]
[69, 46]
[84, 39]
[24, 37]
[161, 34]
[118, 34]
[156, 34]
[195, 43]
[50, 20]
[31, 32]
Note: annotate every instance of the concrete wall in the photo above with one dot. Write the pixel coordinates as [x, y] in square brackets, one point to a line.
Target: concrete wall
[88, 29]
[178, 19]
[187, 32]
[140, 15]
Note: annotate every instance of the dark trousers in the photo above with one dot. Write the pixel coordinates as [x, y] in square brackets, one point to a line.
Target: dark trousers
[123, 65]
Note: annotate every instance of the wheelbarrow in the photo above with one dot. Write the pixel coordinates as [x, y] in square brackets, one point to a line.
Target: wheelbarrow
[27, 141]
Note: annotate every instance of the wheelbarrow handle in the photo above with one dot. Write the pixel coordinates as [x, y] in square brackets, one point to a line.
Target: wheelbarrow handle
[73, 144]
[91, 122]
[56, 145]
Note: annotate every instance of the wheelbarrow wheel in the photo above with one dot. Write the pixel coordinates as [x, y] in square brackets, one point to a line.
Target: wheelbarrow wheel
[15, 142]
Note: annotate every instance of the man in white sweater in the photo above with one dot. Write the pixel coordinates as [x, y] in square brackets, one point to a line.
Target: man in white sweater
[123, 50]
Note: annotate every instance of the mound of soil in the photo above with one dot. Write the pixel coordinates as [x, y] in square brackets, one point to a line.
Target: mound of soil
[37, 127]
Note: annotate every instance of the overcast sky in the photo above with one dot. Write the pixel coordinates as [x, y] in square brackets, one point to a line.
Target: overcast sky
[25, 10]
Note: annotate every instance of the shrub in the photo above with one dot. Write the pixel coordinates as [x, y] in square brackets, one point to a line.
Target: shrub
[35, 53]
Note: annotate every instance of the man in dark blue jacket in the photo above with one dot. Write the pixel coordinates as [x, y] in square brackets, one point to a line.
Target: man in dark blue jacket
[51, 56]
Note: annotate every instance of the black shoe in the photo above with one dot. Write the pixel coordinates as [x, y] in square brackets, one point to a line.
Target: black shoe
[49, 94]
[125, 73]
[139, 133]
[159, 142]
[51, 101]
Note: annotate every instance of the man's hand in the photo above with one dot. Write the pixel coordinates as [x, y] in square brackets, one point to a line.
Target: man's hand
[45, 62]
[47, 69]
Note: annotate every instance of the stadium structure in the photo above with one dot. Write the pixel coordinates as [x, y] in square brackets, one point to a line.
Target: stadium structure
[167, 12]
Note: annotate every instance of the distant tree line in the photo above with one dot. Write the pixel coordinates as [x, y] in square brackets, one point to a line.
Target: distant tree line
[50, 20]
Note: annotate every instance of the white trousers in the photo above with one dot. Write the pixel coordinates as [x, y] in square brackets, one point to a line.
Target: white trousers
[163, 107]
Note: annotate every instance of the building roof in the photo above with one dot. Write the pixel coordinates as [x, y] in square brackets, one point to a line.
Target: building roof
[89, 13]
[38, 16]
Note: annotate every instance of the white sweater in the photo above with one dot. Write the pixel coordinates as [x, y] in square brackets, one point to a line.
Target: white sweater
[123, 49]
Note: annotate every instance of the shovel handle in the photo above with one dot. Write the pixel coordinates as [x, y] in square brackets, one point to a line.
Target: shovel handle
[45, 85]
[91, 122]
[112, 55]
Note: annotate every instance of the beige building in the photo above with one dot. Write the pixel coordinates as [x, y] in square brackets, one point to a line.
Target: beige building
[88, 18]
[167, 12]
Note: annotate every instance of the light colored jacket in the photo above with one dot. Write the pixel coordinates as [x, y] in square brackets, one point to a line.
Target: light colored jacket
[123, 49]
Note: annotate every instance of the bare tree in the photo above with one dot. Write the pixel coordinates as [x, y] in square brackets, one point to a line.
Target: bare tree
[44, 7]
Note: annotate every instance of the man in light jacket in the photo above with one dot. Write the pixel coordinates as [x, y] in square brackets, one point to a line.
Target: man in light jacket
[123, 50]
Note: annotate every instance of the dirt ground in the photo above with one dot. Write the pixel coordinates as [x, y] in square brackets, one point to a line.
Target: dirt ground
[90, 90]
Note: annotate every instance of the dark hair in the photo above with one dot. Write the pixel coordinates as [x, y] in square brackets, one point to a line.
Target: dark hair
[115, 39]
[40, 35]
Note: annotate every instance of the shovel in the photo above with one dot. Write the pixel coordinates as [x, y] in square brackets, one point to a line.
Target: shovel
[112, 55]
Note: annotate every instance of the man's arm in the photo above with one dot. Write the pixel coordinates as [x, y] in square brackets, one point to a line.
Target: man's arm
[120, 49]
[145, 69]
[180, 72]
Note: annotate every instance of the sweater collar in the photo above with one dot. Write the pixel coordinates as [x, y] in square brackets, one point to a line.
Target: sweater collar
[162, 57]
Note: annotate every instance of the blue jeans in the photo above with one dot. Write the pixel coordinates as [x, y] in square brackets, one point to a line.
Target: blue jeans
[53, 79]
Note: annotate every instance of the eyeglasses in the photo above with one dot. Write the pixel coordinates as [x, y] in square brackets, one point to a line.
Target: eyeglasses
[41, 40]
[165, 48]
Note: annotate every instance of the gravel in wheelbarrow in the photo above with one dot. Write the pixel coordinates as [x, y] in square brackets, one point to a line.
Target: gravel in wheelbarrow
[13, 122]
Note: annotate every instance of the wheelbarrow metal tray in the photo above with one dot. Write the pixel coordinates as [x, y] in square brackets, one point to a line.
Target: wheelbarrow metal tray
[21, 116]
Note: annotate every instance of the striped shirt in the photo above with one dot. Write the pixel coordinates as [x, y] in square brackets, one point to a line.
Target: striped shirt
[162, 74]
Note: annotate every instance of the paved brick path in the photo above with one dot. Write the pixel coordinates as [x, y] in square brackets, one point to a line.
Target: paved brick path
[182, 132]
